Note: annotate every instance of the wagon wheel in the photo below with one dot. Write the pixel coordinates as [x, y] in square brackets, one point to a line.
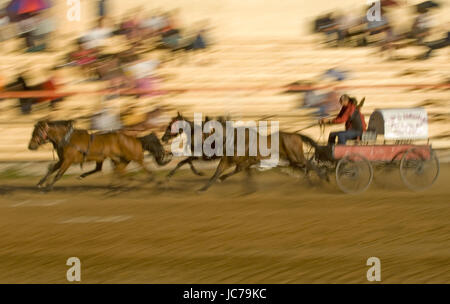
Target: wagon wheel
[354, 173]
[417, 170]
[309, 151]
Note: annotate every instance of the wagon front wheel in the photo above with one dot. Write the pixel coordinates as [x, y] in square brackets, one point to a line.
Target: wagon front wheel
[419, 168]
[354, 173]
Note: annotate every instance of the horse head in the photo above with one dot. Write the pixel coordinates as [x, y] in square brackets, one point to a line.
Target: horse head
[171, 130]
[45, 131]
[39, 135]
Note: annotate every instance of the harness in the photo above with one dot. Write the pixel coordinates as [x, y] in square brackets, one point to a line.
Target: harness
[66, 142]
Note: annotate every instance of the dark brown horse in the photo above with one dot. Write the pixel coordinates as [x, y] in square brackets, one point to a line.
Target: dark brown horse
[169, 134]
[290, 150]
[76, 146]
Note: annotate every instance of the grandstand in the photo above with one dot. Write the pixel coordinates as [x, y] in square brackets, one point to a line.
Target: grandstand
[243, 75]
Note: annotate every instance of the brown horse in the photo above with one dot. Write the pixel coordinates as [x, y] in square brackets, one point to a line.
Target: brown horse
[290, 150]
[76, 146]
[168, 134]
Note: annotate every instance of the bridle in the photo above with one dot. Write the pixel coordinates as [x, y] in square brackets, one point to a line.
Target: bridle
[42, 137]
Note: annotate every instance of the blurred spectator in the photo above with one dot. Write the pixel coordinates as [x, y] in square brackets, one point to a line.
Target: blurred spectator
[328, 24]
[170, 33]
[4, 18]
[142, 74]
[199, 41]
[105, 119]
[95, 37]
[435, 45]
[44, 26]
[82, 56]
[6, 32]
[326, 101]
[26, 28]
[130, 26]
[102, 9]
[154, 24]
[421, 26]
[335, 73]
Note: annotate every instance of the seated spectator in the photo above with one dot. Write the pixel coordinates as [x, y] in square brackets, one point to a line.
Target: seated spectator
[105, 120]
[153, 25]
[95, 38]
[130, 27]
[8, 29]
[421, 26]
[328, 25]
[199, 40]
[26, 28]
[44, 27]
[325, 101]
[142, 73]
[170, 34]
[82, 56]
[51, 84]
[435, 45]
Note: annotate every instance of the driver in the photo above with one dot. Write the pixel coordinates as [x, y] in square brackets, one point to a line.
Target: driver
[354, 121]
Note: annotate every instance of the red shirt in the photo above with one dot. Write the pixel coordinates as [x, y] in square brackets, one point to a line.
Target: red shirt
[345, 114]
[49, 85]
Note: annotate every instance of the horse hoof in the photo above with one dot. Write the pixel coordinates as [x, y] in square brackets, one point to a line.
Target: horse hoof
[47, 188]
[200, 191]
[80, 177]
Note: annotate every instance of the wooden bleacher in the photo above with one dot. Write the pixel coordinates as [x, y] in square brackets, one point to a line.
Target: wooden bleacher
[261, 63]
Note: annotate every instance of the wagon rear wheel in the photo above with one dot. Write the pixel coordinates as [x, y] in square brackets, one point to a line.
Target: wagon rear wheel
[354, 173]
[419, 168]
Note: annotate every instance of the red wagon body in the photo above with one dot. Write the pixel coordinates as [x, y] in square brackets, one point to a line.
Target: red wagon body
[380, 152]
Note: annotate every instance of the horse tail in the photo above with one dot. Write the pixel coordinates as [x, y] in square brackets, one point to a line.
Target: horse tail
[152, 144]
[308, 140]
[318, 151]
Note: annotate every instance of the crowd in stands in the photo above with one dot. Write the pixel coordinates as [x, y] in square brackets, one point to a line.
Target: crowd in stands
[131, 68]
[364, 29]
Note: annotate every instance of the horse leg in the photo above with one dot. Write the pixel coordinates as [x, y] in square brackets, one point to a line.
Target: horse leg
[179, 165]
[193, 168]
[63, 168]
[149, 172]
[119, 172]
[51, 169]
[310, 165]
[236, 170]
[98, 167]
[223, 165]
[250, 187]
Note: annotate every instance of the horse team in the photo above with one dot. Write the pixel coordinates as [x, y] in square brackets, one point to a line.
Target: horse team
[77, 146]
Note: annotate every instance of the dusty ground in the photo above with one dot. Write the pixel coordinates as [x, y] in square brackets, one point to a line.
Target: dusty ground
[286, 232]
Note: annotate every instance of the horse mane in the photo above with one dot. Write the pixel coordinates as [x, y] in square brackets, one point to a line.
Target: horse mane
[56, 123]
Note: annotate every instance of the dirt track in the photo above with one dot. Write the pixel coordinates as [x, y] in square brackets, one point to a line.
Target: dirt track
[286, 232]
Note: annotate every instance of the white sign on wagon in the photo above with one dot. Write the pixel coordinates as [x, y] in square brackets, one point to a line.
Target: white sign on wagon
[398, 124]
